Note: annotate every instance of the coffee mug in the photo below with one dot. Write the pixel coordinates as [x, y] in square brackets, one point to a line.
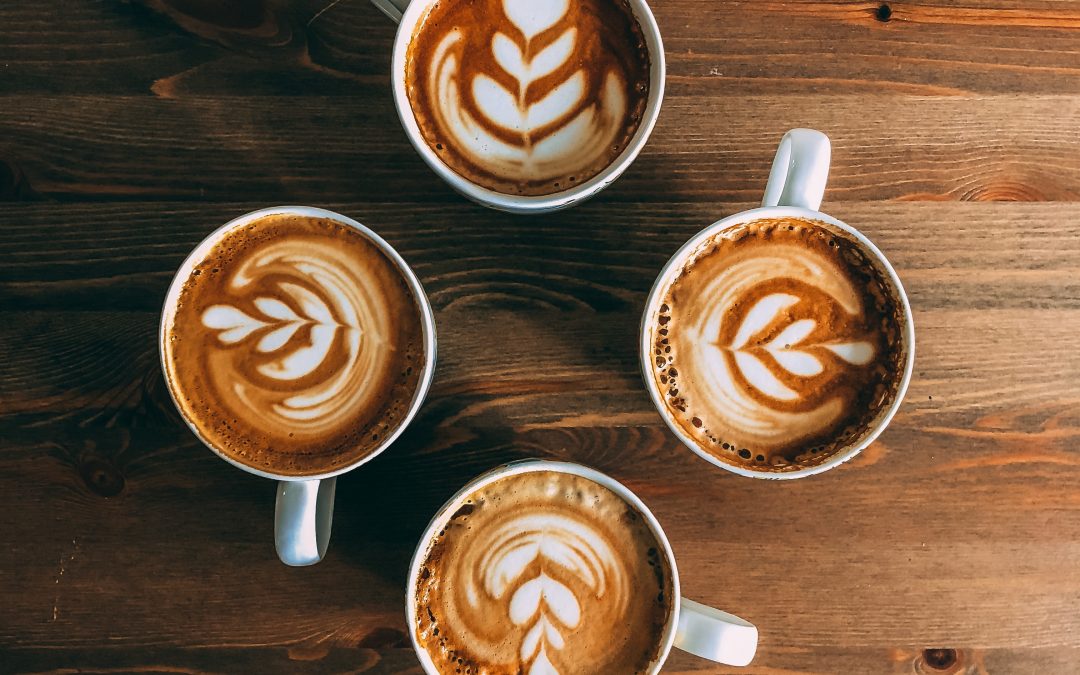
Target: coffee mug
[792, 197]
[410, 16]
[543, 608]
[305, 503]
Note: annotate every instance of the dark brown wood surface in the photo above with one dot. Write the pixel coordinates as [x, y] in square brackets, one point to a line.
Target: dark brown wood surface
[129, 130]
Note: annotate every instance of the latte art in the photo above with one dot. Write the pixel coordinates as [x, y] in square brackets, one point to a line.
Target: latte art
[317, 284]
[524, 552]
[528, 96]
[295, 345]
[543, 573]
[777, 343]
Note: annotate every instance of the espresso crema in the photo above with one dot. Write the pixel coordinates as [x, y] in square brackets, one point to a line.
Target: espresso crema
[296, 345]
[777, 343]
[544, 573]
[528, 97]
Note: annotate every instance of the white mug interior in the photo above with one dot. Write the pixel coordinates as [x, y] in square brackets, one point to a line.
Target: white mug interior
[410, 20]
[665, 641]
[674, 267]
[200, 252]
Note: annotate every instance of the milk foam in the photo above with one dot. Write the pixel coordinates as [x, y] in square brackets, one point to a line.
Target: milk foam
[537, 575]
[334, 301]
[542, 605]
[773, 341]
[291, 341]
[523, 100]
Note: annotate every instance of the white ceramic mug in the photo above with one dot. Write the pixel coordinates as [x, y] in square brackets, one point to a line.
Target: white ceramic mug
[409, 14]
[305, 504]
[795, 189]
[692, 627]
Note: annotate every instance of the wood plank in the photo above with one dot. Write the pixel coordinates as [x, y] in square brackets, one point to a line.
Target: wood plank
[297, 659]
[341, 660]
[719, 48]
[587, 258]
[968, 502]
[705, 148]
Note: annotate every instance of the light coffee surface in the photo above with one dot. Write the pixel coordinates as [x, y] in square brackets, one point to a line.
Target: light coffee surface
[777, 344]
[544, 572]
[296, 345]
[528, 97]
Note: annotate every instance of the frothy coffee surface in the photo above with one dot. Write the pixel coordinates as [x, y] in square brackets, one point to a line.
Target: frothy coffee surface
[296, 345]
[528, 97]
[777, 344]
[544, 572]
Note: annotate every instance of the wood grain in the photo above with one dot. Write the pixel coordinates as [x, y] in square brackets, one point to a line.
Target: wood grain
[129, 130]
[704, 148]
[726, 48]
[928, 539]
[344, 661]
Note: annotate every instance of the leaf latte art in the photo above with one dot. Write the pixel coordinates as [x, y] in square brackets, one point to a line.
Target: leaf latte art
[777, 343]
[528, 96]
[543, 573]
[295, 345]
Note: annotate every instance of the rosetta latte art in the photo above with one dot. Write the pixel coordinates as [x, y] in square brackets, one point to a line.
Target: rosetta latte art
[296, 345]
[772, 340]
[544, 580]
[546, 566]
[316, 382]
[524, 95]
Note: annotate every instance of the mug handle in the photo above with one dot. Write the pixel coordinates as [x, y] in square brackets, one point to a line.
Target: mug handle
[392, 8]
[718, 636]
[302, 518]
[799, 170]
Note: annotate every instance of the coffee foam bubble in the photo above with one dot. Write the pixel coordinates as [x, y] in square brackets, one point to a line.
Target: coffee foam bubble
[777, 343]
[528, 96]
[296, 345]
[543, 572]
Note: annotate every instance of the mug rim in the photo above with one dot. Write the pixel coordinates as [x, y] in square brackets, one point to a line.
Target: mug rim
[524, 204]
[427, 320]
[534, 465]
[742, 217]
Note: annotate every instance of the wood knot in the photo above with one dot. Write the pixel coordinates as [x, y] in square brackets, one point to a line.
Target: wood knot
[14, 186]
[384, 637]
[883, 13]
[101, 477]
[232, 14]
[308, 652]
[240, 24]
[1004, 191]
[939, 659]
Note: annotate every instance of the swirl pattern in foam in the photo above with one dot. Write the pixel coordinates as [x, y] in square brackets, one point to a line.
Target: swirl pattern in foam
[528, 96]
[777, 343]
[295, 346]
[544, 573]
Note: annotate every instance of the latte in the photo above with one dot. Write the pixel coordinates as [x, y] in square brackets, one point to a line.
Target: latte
[528, 97]
[777, 344]
[296, 345]
[544, 572]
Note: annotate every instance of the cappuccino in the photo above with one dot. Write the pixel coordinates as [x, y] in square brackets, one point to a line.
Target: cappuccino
[528, 97]
[777, 344]
[544, 572]
[295, 345]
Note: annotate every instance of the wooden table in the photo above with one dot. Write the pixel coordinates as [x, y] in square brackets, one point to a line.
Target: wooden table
[128, 131]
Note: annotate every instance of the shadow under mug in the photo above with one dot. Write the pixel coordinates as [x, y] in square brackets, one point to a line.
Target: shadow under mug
[304, 509]
[795, 189]
[409, 14]
[692, 627]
